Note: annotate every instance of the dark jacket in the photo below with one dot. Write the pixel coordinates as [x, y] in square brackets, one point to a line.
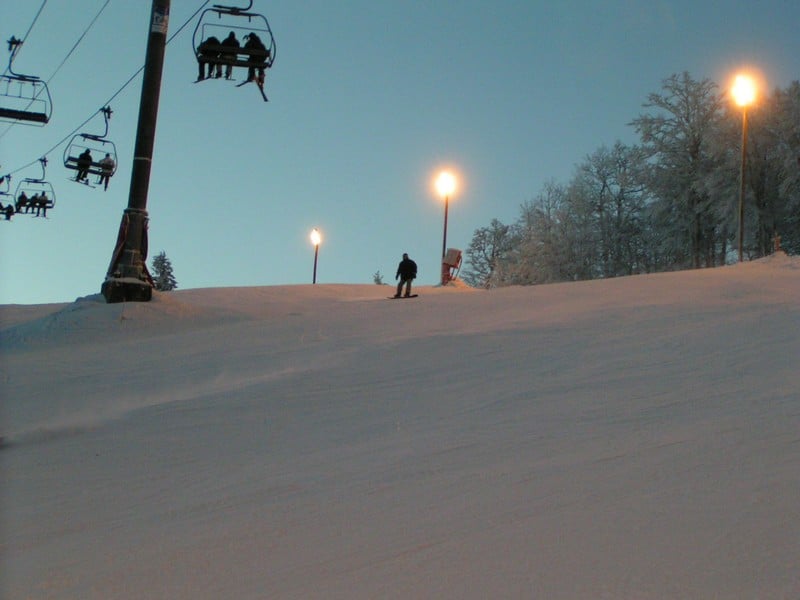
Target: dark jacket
[407, 269]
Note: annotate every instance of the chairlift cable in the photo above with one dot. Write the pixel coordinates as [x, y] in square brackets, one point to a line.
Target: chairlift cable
[64, 139]
[36, 18]
[25, 37]
[132, 77]
[85, 31]
[108, 102]
[189, 20]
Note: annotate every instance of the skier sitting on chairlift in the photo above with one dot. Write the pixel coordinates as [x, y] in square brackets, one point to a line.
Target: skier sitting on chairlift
[106, 169]
[84, 164]
[258, 58]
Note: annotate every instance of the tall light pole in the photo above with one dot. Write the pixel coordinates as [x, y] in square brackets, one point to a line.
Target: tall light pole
[744, 93]
[445, 185]
[316, 238]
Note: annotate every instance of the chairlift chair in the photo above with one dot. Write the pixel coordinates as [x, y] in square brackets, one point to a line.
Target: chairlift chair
[6, 197]
[97, 145]
[5, 185]
[35, 187]
[23, 98]
[217, 23]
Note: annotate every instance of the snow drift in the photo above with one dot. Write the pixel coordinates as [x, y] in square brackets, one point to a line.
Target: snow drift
[628, 438]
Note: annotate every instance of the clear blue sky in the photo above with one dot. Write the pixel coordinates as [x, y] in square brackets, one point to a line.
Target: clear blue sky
[368, 98]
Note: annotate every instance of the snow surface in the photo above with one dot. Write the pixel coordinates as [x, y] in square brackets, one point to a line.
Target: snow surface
[628, 438]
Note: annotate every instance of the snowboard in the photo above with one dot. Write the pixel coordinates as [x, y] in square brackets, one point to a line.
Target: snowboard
[402, 297]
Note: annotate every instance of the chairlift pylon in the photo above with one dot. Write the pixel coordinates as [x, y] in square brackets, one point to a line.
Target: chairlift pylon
[23, 98]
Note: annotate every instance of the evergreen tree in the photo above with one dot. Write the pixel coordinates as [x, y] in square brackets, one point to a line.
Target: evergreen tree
[377, 278]
[163, 278]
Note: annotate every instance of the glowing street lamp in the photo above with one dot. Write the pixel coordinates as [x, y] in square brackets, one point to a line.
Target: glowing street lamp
[316, 238]
[445, 185]
[744, 94]
[744, 90]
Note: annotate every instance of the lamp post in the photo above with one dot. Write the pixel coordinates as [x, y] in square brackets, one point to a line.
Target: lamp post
[445, 185]
[315, 239]
[744, 93]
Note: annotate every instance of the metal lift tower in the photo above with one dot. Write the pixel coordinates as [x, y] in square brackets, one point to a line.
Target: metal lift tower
[127, 279]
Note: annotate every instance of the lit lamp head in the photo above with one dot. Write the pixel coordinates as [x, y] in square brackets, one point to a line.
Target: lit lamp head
[445, 184]
[743, 90]
[316, 238]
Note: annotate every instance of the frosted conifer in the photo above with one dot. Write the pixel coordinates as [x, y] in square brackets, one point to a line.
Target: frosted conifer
[162, 273]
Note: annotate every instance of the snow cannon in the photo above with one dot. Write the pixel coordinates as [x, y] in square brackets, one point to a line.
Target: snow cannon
[451, 264]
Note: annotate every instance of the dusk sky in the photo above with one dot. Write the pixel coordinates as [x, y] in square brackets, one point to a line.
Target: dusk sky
[367, 101]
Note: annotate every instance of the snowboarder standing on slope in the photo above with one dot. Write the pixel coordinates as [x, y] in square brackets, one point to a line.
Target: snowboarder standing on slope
[406, 271]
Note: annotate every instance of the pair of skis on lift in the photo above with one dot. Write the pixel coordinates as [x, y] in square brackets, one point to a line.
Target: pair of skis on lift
[259, 85]
[85, 182]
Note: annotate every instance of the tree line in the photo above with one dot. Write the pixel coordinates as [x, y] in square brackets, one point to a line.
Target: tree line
[668, 202]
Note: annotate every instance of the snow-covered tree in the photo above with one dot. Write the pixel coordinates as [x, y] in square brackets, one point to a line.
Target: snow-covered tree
[787, 134]
[669, 203]
[774, 173]
[163, 277]
[541, 242]
[487, 249]
[772, 188]
[610, 183]
[677, 136]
